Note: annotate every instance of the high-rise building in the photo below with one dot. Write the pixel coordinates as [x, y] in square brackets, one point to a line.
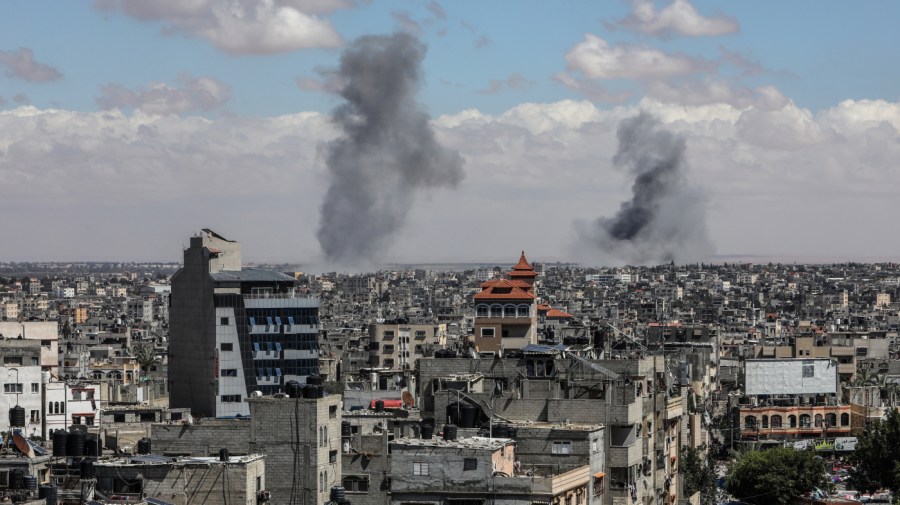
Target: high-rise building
[505, 315]
[235, 330]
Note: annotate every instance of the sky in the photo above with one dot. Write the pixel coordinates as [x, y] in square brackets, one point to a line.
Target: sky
[127, 126]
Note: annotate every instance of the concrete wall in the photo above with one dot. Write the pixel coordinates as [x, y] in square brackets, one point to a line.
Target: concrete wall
[301, 439]
[203, 438]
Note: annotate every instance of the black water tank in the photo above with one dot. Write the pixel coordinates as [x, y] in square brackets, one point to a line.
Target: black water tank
[467, 416]
[92, 446]
[87, 469]
[16, 479]
[314, 380]
[309, 392]
[338, 494]
[60, 441]
[379, 405]
[345, 429]
[30, 482]
[48, 493]
[17, 417]
[426, 430]
[75, 444]
[293, 389]
[453, 413]
[449, 432]
[144, 446]
[223, 454]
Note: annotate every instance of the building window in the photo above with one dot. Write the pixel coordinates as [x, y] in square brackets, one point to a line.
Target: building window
[227, 347]
[229, 372]
[804, 421]
[387, 335]
[470, 464]
[420, 333]
[35, 416]
[12, 360]
[12, 388]
[356, 484]
[496, 311]
[332, 457]
[420, 468]
[487, 332]
[776, 421]
[35, 387]
[231, 398]
[223, 321]
[562, 448]
[332, 412]
[482, 311]
[845, 419]
[595, 445]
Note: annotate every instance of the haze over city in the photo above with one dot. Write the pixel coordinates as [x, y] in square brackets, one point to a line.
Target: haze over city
[126, 126]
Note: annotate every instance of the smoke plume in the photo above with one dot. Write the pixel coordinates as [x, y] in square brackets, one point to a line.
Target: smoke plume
[387, 152]
[665, 220]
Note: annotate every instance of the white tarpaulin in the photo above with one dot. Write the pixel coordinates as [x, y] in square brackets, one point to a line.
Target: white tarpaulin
[791, 376]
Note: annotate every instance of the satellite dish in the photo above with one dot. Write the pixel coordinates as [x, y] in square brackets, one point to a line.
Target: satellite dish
[22, 445]
[408, 400]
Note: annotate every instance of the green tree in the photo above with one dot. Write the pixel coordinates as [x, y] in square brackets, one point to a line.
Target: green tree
[697, 474]
[145, 355]
[775, 476]
[876, 461]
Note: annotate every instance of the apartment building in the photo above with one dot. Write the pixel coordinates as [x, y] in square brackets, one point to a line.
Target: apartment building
[505, 311]
[398, 344]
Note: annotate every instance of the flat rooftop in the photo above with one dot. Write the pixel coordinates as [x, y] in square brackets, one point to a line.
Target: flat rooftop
[466, 443]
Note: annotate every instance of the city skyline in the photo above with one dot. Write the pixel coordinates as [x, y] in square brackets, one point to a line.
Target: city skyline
[125, 127]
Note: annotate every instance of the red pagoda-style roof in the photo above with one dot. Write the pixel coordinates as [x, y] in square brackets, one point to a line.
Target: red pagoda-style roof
[523, 263]
[504, 289]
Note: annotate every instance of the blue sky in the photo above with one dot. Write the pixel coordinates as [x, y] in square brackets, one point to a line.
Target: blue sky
[757, 86]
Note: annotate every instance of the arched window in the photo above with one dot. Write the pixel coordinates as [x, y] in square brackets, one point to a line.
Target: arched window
[845, 419]
[765, 421]
[792, 421]
[509, 311]
[524, 311]
[819, 420]
[482, 310]
[804, 421]
[497, 310]
[750, 422]
[776, 421]
[831, 420]
[62, 407]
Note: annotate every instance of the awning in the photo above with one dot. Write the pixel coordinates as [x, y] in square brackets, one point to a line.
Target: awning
[599, 475]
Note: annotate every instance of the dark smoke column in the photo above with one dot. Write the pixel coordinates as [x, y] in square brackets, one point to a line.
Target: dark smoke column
[665, 220]
[387, 152]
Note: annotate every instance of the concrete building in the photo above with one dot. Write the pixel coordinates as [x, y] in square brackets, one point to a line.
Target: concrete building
[397, 345]
[505, 311]
[46, 332]
[235, 330]
[228, 480]
[20, 374]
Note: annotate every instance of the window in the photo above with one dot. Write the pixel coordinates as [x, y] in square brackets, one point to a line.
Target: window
[332, 456]
[845, 419]
[35, 416]
[775, 421]
[12, 388]
[356, 484]
[470, 464]
[487, 332]
[229, 372]
[35, 387]
[595, 445]
[481, 311]
[12, 360]
[804, 421]
[332, 411]
[420, 333]
[231, 398]
[562, 448]
[223, 321]
[420, 468]
[387, 335]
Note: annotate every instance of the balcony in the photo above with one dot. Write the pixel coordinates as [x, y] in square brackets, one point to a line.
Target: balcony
[625, 456]
[674, 407]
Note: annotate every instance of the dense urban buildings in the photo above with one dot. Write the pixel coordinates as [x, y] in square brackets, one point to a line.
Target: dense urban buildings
[450, 384]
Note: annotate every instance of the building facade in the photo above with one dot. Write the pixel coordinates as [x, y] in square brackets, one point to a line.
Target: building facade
[235, 330]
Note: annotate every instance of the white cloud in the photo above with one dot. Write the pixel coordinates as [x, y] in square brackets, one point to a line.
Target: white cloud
[678, 18]
[241, 27]
[191, 94]
[22, 65]
[597, 59]
[781, 180]
[710, 91]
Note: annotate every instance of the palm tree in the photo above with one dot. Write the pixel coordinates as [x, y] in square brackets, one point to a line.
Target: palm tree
[145, 355]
